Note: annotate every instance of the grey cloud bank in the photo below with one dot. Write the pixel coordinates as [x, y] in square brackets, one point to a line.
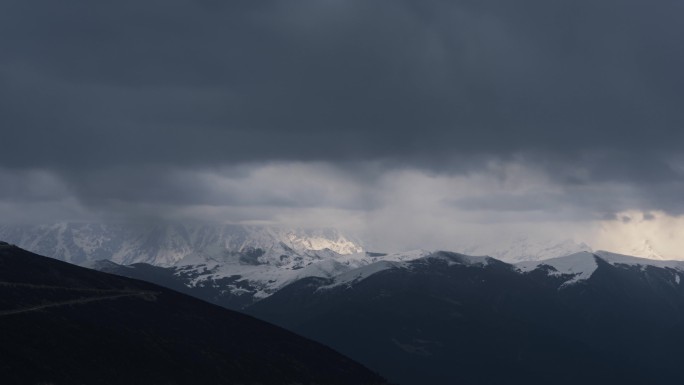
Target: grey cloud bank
[278, 107]
[187, 81]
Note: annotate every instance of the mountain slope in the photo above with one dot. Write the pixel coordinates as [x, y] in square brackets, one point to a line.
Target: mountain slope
[235, 286]
[449, 318]
[65, 324]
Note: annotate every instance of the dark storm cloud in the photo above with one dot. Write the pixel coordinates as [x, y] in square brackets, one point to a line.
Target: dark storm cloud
[291, 186]
[588, 90]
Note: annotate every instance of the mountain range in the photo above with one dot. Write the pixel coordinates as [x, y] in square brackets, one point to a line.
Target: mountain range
[447, 318]
[549, 313]
[232, 265]
[169, 244]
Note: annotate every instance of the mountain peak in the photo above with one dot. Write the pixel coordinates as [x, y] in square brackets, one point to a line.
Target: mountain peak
[646, 249]
[581, 266]
[518, 249]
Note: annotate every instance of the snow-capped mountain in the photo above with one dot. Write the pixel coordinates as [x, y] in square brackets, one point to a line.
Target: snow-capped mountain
[235, 265]
[645, 249]
[172, 244]
[569, 269]
[415, 308]
[249, 262]
[518, 249]
[259, 280]
[231, 282]
[182, 244]
[449, 318]
[580, 266]
[234, 285]
[245, 261]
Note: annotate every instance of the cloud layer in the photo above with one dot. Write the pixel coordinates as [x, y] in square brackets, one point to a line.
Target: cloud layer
[441, 113]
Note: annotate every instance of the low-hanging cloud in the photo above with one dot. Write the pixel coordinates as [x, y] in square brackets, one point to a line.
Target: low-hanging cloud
[303, 110]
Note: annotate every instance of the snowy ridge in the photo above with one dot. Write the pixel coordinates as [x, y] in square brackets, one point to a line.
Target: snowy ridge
[620, 259]
[247, 260]
[258, 260]
[520, 249]
[460, 259]
[361, 273]
[268, 279]
[645, 249]
[405, 261]
[581, 266]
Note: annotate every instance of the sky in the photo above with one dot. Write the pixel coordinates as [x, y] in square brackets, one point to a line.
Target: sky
[412, 124]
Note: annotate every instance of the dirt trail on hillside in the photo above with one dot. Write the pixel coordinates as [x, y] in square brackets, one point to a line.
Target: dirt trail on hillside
[114, 294]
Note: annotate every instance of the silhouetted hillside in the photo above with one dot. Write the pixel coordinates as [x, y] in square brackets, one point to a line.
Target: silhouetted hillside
[63, 324]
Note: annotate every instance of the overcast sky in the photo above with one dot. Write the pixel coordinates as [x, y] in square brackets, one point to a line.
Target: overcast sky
[411, 123]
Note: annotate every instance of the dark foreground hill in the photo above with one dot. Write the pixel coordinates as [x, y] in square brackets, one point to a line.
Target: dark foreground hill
[63, 324]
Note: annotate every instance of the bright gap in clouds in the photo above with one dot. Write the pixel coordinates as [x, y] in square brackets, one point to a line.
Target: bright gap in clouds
[647, 234]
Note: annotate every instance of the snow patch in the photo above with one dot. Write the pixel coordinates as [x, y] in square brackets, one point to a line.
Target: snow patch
[582, 265]
[617, 259]
[460, 259]
[579, 265]
[362, 273]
